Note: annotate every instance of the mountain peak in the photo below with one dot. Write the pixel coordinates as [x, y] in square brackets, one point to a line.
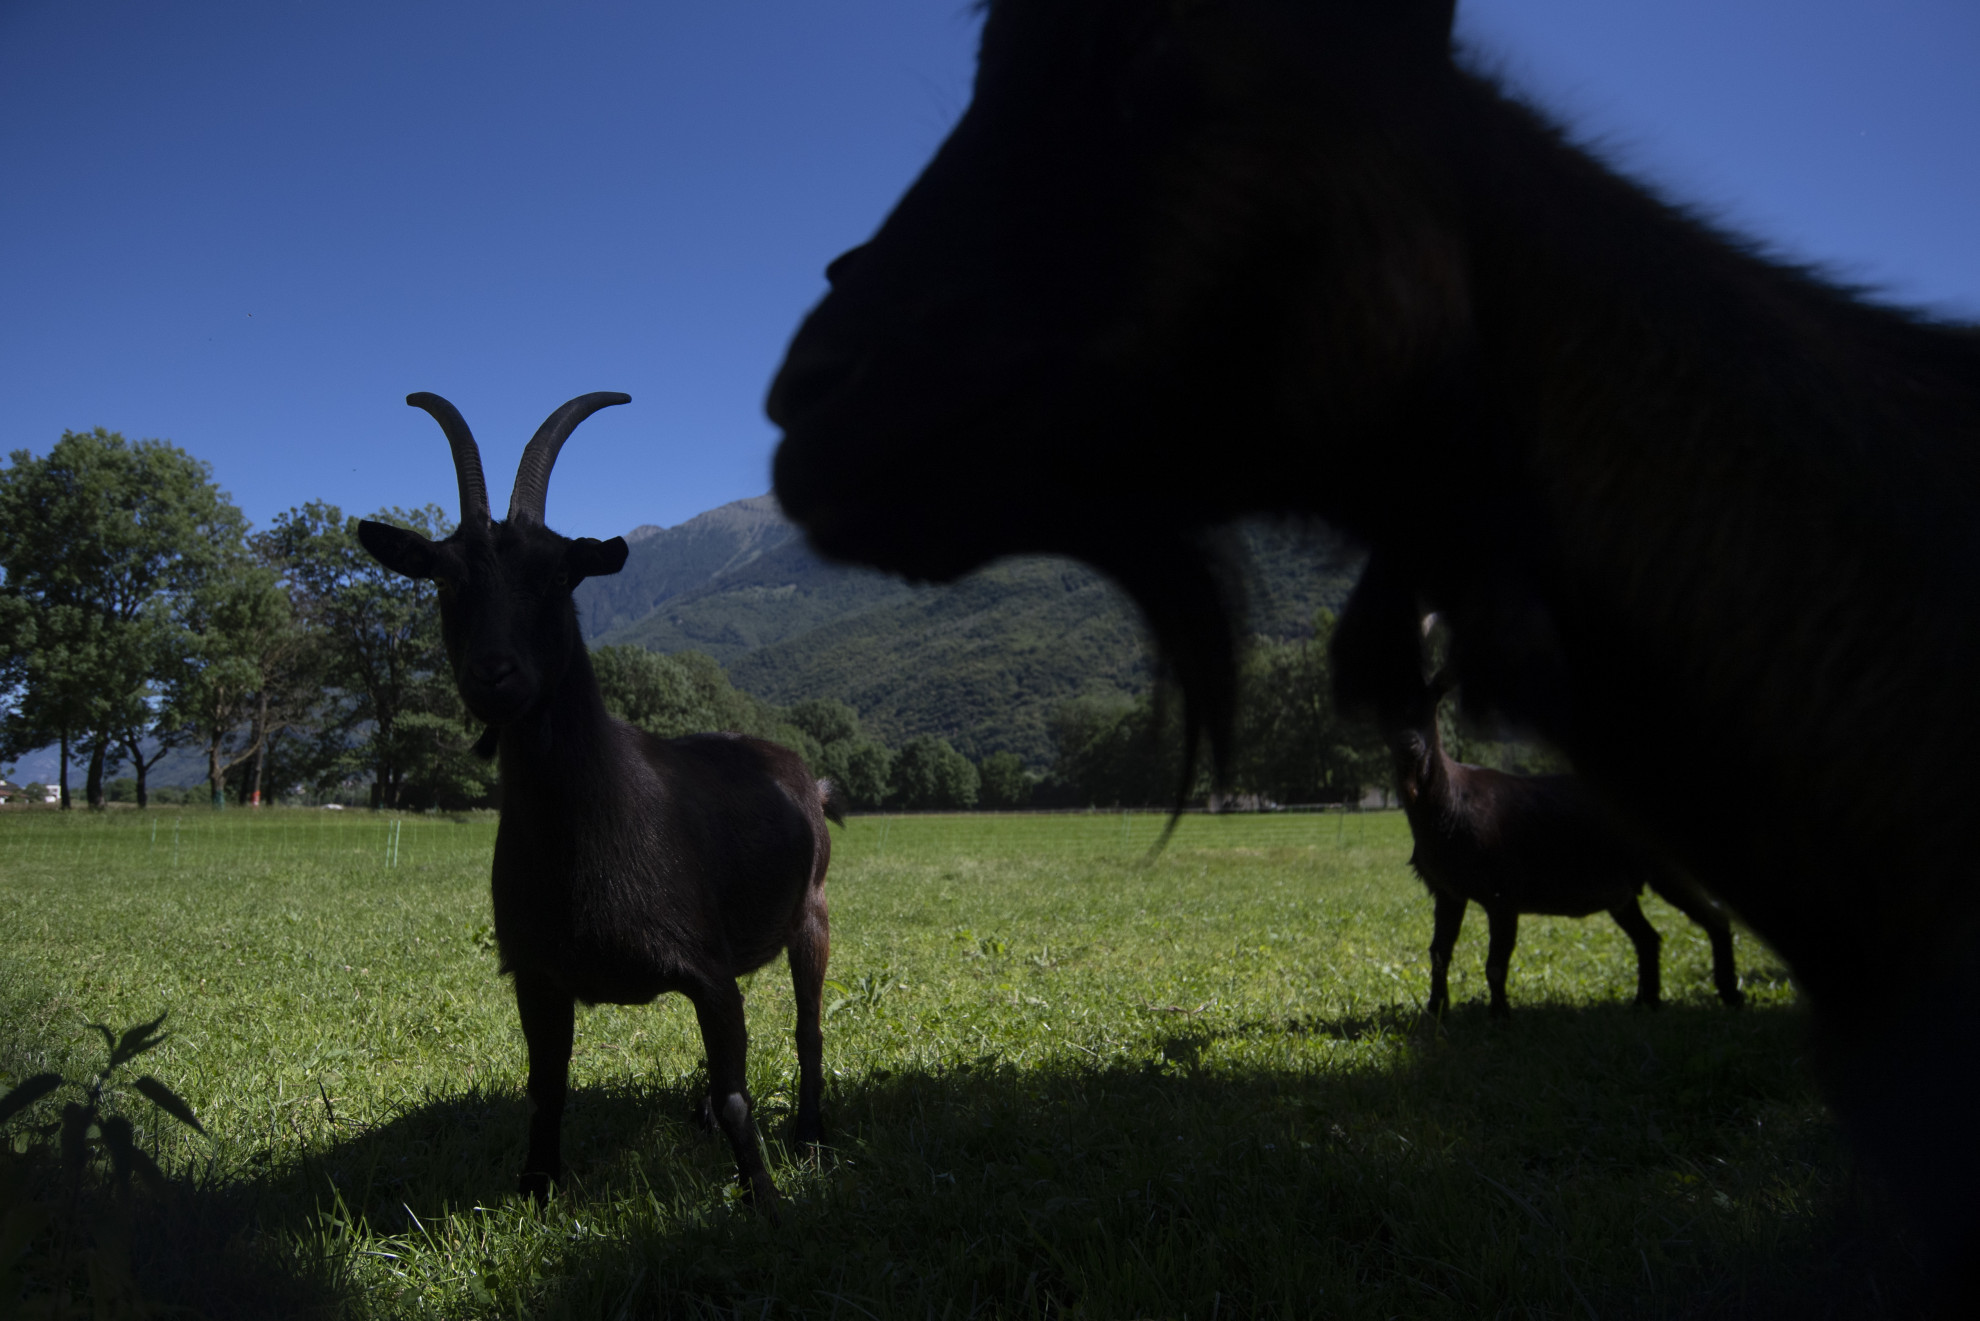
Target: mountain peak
[667, 561]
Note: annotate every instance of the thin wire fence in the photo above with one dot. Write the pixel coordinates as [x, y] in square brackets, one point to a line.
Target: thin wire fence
[201, 840]
[1102, 833]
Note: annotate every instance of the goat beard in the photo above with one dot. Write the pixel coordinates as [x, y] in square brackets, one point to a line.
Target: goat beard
[1187, 587]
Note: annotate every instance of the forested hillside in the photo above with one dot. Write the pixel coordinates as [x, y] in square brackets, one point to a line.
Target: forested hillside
[982, 663]
[146, 628]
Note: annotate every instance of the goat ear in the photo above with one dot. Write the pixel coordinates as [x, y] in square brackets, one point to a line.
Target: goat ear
[401, 551]
[587, 557]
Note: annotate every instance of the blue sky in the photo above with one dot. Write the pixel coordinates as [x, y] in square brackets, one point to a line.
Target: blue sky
[252, 228]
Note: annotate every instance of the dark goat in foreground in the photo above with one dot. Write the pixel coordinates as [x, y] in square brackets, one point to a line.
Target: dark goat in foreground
[1516, 844]
[1703, 520]
[626, 866]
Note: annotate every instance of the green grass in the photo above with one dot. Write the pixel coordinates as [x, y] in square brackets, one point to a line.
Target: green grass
[1061, 1079]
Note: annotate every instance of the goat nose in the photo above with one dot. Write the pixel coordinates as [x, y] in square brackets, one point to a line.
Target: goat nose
[810, 376]
[491, 669]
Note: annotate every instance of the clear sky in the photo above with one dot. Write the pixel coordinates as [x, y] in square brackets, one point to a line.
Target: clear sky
[252, 226]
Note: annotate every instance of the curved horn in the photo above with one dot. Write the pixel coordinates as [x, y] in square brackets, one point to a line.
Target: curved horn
[533, 473]
[467, 457]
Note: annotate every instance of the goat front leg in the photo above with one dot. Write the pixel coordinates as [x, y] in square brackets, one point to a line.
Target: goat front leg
[1649, 952]
[1684, 895]
[809, 949]
[547, 1023]
[718, 1006]
[1504, 926]
[1443, 939]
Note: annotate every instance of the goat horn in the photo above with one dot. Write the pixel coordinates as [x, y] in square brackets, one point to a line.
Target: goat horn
[533, 473]
[467, 456]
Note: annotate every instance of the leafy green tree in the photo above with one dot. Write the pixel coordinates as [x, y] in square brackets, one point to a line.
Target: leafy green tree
[388, 700]
[96, 540]
[1293, 744]
[235, 626]
[1005, 782]
[825, 719]
[686, 692]
[861, 768]
[1116, 752]
[51, 665]
[928, 774]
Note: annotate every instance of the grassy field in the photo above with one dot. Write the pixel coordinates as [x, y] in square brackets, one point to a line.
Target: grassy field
[1061, 1079]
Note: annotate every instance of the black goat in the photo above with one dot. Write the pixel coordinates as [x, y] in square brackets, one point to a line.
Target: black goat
[1516, 844]
[1703, 520]
[626, 866]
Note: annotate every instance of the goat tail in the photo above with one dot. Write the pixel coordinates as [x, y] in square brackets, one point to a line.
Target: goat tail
[833, 799]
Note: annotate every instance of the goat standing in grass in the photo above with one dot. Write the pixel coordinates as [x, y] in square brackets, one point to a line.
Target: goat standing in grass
[626, 865]
[1702, 519]
[1516, 844]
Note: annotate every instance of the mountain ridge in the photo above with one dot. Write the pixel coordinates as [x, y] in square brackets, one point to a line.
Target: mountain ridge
[982, 662]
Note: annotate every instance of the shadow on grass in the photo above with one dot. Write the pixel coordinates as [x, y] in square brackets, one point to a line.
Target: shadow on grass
[1573, 1161]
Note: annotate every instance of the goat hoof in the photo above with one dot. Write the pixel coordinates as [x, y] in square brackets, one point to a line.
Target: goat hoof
[1734, 999]
[1651, 1004]
[1501, 1012]
[535, 1185]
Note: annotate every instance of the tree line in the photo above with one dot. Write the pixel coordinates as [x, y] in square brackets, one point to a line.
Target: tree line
[141, 614]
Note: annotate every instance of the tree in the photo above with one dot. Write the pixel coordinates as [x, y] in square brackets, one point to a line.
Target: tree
[388, 701]
[1117, 752]
[1005, 782]
[50, 664]
[861, 768]
[687, 692]
[147, 730]
[825, 719]
[928, 774]
[235, 627]
[96, 540]
[1293, 744]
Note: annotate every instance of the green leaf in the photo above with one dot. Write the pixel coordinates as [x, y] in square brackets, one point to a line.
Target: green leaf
[137, 1040]
[27, 1094]
[168, 1100]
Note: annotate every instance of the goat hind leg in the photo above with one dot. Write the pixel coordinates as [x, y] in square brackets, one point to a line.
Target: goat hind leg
[718, 1006]
[1443, 939]
[548, 1016]
[1649, 952]
[1503, 925]
[809, 949]
[1684, 895]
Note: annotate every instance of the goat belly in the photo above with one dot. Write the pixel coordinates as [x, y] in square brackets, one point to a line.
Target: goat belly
[607, 962]
[594, 958]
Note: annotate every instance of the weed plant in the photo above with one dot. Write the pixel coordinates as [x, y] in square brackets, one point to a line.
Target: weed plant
[67, 1186]
[1063, 1078]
